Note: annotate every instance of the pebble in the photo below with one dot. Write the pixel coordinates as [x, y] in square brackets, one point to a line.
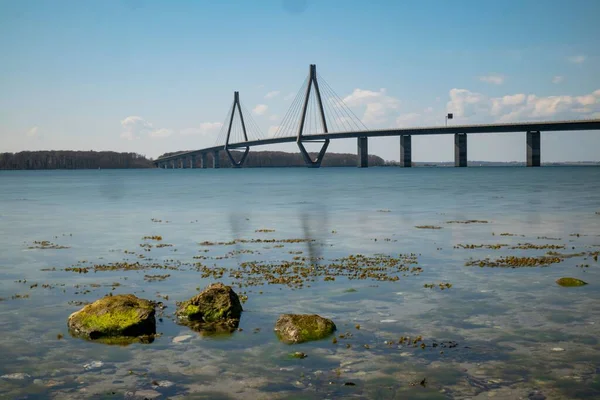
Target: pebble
[19, 376]
[163, 384]
[405, 354]
[93, 365]
[181, 338]
[388, 321]
[558, 349]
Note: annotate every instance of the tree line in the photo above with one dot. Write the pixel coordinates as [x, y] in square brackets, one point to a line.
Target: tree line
[66, 159]
[283, 159]
[73, 160]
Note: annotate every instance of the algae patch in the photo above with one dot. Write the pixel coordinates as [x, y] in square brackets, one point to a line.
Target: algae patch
[570, 282]
[117, 316]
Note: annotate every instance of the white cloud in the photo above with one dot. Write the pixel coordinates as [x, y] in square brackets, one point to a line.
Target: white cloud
[272, 130]
[494, 79]
[134, 127]
[476, 107]
[271, 94]
[274, 117]
[260, 109]
[33, 131]
[577, 59]
[558, 79]
[161, 133]
[408, 120]
[205, 128]
[379, 107]
[289, 96]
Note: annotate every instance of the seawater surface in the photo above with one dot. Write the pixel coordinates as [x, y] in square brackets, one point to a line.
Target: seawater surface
[497, 331]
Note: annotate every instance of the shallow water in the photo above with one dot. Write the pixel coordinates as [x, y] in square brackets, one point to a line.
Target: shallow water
[497, 329]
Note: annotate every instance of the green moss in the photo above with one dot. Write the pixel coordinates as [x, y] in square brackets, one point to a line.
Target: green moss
[111, 322]
[570, 282]
[190, 310]
[120, 315]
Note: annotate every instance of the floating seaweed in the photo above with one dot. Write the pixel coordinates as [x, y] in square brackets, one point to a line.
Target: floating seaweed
[515, 262]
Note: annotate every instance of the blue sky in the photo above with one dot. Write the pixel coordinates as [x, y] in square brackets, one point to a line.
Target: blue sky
[156, 76]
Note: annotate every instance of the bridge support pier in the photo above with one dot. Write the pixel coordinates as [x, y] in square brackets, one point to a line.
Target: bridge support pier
[182, 163]
[204, 160]
[173, 164]
[192, 161]
[534, 149]
[460, 149]
[363, 152]
[216, 159]
[405, 151]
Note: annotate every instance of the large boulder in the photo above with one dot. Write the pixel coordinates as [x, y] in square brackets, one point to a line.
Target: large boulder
[570, 282]
[123, 315]
[298, 328]
[217, 306]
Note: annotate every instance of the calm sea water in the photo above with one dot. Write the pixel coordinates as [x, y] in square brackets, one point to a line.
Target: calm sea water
[503, 332]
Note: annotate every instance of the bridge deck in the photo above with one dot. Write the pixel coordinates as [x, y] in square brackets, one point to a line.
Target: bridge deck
[547, 126]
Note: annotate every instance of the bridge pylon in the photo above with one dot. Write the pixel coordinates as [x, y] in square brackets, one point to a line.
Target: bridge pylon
[236, 105]
[312, 81]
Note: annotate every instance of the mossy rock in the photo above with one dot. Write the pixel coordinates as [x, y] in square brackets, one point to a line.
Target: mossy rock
[298, 328]
[570, 282]
[123, 315]
[218, 304]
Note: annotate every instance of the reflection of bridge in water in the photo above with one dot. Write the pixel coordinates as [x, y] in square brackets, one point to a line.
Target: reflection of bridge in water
[323, 116]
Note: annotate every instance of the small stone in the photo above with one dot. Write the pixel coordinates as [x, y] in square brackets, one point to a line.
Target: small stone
[405, 354]
[93, 365]
[299, 354]
[162, 384]
[181, 338]
[298, 328]
[388, 321]
[38, 382]
[19, 376]
[558, 349]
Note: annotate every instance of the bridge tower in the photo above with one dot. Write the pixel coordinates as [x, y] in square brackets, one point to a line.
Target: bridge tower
[312, 81]
[236, 105]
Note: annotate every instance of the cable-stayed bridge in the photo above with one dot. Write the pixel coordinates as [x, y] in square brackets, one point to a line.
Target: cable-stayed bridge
[318, 115]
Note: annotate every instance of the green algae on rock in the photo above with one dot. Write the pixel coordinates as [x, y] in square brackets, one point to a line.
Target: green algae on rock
[123, 315]
[298, 328]
[218, 304]
[570, 282]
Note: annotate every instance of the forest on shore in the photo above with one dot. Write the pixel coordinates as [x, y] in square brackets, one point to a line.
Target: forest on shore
[282, 159]
[66, 159]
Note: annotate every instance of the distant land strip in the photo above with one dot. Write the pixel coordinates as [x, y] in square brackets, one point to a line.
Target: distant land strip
[67, 159]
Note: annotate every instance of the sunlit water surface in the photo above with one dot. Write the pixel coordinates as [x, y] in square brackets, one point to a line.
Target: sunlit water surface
[515, 332]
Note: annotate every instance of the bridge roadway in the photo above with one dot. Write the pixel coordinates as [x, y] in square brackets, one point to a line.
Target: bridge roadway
[532, 129]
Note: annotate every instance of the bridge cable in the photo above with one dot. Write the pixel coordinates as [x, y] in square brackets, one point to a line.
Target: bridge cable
[222, 137]
[254, 130]
[344, 107]
[284, 125]
[343, 120]
[340, 110]
[287, 121]
[351, 117]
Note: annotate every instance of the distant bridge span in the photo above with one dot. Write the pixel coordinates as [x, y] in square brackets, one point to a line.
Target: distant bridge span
[532, 129]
